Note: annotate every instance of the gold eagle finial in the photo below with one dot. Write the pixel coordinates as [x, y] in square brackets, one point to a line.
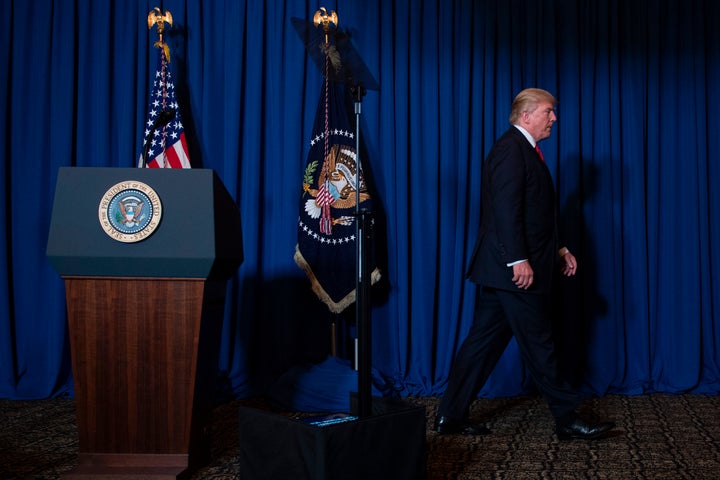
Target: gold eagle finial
[323, 17]
[156, 17]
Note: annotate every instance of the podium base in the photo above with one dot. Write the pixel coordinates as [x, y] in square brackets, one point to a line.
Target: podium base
[99, 466]
[390, 444]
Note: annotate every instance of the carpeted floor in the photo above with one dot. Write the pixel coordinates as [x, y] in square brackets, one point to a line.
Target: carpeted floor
[658, 437]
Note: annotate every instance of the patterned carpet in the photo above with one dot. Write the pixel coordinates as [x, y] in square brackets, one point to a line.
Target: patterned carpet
[658, 437]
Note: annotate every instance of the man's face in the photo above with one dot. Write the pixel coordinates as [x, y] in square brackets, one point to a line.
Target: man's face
[540, 121]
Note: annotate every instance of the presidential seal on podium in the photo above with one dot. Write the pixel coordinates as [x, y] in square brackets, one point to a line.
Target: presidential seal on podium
[130, 211]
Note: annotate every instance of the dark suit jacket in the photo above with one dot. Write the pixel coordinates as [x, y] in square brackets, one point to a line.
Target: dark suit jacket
[518, 216]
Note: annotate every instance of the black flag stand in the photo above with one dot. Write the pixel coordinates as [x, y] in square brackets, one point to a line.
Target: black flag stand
[354, 73]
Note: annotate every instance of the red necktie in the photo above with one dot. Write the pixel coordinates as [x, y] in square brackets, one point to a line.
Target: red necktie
[539, 152]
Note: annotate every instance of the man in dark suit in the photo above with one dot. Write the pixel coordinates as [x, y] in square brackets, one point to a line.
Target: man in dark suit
[513, 265]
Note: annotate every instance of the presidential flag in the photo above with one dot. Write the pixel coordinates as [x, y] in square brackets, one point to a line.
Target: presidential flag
[164, 130]
[332, 183]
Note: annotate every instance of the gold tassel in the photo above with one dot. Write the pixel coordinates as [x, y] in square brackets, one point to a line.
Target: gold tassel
[165, 48]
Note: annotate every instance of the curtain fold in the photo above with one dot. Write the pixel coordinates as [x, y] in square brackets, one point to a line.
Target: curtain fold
[631, 155]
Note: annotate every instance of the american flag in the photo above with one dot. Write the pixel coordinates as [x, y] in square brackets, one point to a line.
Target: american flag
[168, 148]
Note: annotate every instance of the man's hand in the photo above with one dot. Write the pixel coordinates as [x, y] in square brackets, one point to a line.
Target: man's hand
[569, 265]
[522, 275]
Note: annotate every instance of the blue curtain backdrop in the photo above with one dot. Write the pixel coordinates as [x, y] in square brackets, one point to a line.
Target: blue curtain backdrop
[631, 154]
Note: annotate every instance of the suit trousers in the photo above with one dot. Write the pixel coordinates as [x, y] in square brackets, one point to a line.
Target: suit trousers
[500, 315]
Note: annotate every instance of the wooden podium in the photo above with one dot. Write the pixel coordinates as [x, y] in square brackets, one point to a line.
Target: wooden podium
[144, 317]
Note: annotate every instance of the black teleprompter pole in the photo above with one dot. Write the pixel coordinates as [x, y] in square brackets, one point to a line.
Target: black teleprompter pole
[363, 219]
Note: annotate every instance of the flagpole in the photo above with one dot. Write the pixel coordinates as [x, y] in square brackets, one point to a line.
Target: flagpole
[355, 75]
[362, 220]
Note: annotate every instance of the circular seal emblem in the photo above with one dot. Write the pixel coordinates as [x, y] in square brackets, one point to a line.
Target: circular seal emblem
[130, 211]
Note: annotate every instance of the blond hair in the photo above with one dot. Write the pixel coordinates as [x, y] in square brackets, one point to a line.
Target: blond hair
[527, 101]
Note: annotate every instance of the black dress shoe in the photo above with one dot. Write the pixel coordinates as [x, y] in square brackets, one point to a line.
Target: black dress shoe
[581, 429]
[445, 425]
